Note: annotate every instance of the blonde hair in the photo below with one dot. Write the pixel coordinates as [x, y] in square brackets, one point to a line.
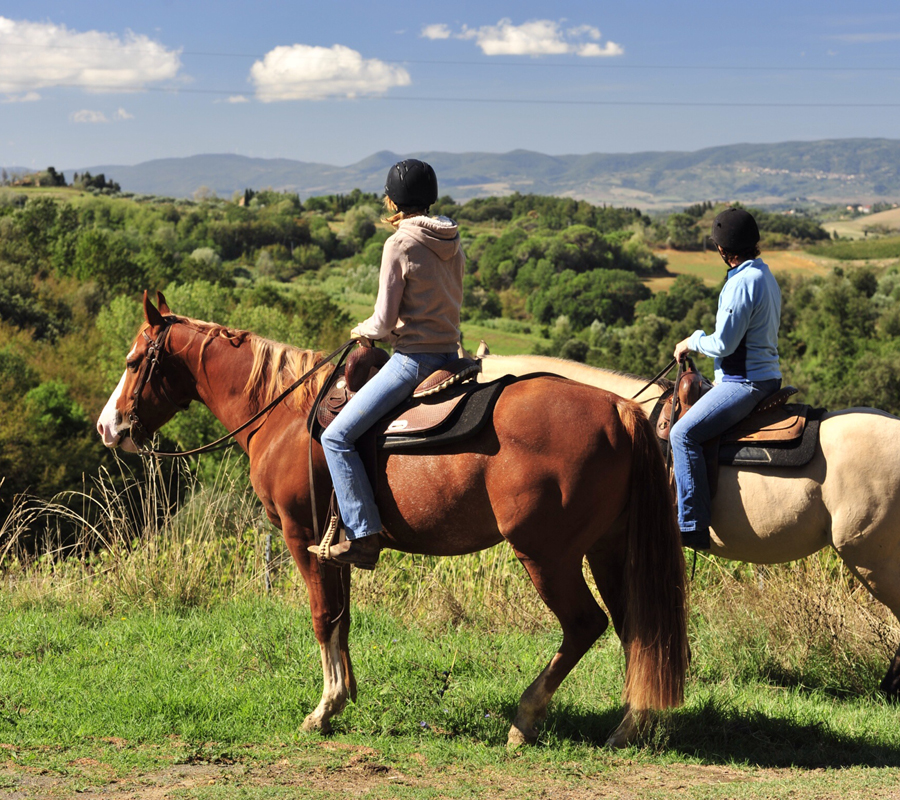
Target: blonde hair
[397, 215]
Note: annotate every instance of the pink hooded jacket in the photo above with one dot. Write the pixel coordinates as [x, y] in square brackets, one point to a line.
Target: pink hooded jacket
[420, 288]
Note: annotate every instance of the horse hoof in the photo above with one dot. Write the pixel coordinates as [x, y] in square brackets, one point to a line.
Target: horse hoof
[313, 724]
[519, 738]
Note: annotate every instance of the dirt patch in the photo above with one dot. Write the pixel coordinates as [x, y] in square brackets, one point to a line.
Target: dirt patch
[359, 773]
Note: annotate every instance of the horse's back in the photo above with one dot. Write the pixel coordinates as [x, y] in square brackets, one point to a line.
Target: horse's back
[847, 495]
[562, 414]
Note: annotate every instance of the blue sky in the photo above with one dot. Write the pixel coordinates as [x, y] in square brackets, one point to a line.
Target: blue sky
[87, 83]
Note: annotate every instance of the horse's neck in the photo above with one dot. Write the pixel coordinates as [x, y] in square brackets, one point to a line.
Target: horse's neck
[220, 371]
[623, 385]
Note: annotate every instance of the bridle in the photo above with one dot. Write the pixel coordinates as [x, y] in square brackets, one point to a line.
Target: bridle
[155, 351]
[153, 359]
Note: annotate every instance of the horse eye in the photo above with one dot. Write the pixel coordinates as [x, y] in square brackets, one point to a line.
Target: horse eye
[131, 366]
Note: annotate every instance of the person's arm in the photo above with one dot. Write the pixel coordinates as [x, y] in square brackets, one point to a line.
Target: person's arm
[391, 285]
[732, 321]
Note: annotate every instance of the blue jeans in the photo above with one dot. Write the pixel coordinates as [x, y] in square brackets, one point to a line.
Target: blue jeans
[393, 384]
[714, 413]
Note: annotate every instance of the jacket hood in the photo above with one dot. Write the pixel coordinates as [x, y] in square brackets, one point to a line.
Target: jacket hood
[438, 234]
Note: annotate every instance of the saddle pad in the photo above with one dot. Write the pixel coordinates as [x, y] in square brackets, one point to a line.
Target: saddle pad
[471, 411]
[793, 453]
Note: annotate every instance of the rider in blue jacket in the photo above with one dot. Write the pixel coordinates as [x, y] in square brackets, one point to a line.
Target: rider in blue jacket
[745, 348]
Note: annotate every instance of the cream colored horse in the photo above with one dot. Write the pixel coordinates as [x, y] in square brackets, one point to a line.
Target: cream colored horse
[847, 497]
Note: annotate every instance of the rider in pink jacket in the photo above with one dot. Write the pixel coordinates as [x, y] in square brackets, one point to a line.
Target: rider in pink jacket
[420, 292]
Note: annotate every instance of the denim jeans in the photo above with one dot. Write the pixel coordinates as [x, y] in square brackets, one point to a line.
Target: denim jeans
[714, 413]
[393, 384]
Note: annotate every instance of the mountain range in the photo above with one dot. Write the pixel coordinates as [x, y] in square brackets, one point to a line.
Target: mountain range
[831, 170]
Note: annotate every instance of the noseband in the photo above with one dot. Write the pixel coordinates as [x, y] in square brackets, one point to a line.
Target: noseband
[155, 351]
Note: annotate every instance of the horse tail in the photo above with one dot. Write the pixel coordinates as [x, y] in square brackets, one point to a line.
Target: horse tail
[655, 629]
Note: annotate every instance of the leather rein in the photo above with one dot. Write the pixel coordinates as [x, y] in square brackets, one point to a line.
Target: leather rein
[155, 351]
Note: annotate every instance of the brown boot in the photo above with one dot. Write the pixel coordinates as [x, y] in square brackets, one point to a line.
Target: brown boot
[362, 552]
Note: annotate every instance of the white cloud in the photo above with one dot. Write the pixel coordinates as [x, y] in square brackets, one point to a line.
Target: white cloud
[302, 72]
[87, 116]
[237, 98]
[436, 32]
[34, 55]
[28, 97]
[594, 50]
[539, 37]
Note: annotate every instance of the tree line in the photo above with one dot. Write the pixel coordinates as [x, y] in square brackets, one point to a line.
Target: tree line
[73, 267]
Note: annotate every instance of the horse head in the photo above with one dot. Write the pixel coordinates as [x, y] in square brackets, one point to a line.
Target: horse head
[149, 393]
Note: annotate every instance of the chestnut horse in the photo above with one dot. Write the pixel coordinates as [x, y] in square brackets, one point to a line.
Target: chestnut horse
[562, 472]
[847, 497]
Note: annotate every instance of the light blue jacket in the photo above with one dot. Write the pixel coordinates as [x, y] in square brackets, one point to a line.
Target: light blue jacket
[745, 342]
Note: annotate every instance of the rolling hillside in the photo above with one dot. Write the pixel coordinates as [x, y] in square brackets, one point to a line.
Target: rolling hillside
[861, 170]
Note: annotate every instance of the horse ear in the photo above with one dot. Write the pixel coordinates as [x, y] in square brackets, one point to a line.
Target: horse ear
[163, 305]
[153, 317]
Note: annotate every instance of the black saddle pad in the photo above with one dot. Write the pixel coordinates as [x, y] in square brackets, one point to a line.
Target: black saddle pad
[796, 453]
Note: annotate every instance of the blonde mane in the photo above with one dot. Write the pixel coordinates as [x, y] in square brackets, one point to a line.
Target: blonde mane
[276, 366]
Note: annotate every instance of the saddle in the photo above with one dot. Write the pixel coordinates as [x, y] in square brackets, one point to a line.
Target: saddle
[770, 421]
[775, 433]
[417, 417]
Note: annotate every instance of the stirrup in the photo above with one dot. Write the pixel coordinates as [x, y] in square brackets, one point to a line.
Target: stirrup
[328, 537]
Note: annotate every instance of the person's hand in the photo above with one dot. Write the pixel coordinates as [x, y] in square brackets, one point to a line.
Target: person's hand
[681, 350]
[365, 341]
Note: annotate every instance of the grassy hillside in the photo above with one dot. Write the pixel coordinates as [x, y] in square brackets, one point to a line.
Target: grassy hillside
[859, 227]
[708, 266]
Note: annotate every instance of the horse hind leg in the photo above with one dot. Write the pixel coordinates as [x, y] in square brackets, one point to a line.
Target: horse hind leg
[884, 586]
[563, 589]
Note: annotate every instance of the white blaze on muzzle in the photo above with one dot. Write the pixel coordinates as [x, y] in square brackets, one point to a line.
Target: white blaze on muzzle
[110, 425]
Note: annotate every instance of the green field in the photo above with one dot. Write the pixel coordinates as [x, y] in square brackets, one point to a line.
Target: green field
[164, 669]
[874, 249]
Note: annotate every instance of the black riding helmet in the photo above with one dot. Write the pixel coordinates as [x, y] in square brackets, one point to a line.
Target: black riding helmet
[411, 184]
[735, 230]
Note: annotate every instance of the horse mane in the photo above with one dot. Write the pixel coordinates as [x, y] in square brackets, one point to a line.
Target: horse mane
[275, 365]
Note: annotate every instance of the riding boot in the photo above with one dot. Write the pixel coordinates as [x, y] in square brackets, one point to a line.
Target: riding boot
[696, 540]
[362, 552]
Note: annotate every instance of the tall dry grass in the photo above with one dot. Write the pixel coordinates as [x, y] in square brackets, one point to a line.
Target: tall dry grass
[806, 623]
[159, 538]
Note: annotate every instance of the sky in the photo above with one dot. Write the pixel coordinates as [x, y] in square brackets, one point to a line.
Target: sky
[100, 83]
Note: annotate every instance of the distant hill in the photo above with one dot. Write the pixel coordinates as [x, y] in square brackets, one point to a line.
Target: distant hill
[837, 170]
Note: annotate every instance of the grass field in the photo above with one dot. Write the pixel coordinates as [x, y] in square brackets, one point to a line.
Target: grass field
[856, 228]
[709, 266]
[162, 668]
[207, 704]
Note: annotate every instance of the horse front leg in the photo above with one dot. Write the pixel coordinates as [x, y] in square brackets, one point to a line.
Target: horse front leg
[329, 599]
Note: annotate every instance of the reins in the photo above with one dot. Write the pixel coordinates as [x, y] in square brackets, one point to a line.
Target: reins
[223, 441]
[654, 379]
